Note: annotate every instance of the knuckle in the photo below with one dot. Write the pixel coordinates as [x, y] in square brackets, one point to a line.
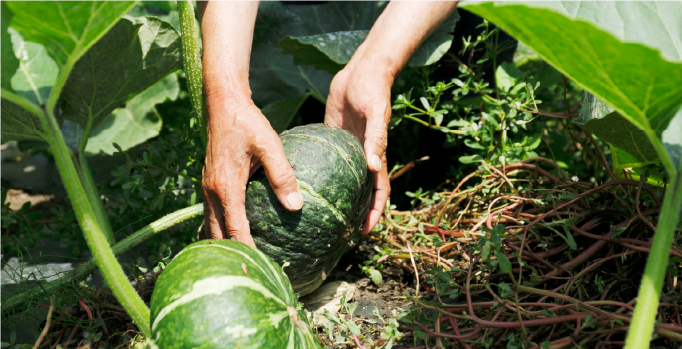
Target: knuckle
[283, 180]
[234, 234]
[267, 141]
[380, 141]
[215, 187]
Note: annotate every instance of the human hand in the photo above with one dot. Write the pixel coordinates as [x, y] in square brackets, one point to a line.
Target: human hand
[359, 101]
[240, 140]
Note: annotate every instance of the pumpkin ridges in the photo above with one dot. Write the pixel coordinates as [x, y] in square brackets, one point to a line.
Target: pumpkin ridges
[331, 168]
[271, 270]
[241, 316]
[344, 156]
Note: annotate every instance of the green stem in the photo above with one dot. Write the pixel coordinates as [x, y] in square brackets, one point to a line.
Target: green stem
[22, 102]
[195, 180]
[94, 235]
[81, 272]
[644, 317]
[191, 58]
[94, 197]
[316, 94]
[418, 120]
[660, 149]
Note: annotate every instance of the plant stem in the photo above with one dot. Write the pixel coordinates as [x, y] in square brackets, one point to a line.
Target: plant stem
[644, 317]
[24, 103]
[82, 271]
[191, 59]
[94, 235]
[316, 94]
[94, 198]
[418, 120]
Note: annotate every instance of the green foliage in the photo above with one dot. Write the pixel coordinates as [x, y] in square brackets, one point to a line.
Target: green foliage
[490, 120]
[10, 63]
[33, 80]
[619, 82]
[141, 51]
[165, 178]
[342, 328]
[135, 123]
[101, 60]
[372, 268]
[281, 83]
[492, 246]
[145, 50]
[66, 30]
[604, 122]
[643, 87]
[330, 51]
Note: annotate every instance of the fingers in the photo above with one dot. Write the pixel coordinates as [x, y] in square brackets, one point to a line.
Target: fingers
[234, 213]
[224, 205]
[279, 172]
[214, 224]
[382, 190]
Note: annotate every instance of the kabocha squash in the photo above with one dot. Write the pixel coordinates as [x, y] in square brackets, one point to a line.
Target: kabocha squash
[331, 169]
[225, 294]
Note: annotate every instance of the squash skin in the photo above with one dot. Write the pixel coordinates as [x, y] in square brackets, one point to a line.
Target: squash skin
[225, 294]
[331, 168]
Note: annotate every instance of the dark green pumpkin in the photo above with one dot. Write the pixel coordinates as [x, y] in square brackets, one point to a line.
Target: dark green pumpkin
[331, 169]
[225, 294]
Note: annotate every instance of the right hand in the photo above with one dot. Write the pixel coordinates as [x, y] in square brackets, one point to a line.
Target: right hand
[240, 140]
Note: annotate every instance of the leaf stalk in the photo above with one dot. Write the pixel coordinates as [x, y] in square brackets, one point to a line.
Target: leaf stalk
[92, 230]
[648, 297]
[82, 271]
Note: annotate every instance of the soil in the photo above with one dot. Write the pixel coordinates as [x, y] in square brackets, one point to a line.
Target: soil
[386, 297]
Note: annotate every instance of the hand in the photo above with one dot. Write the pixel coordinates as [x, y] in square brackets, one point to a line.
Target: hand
[240, 140]
[360, 101]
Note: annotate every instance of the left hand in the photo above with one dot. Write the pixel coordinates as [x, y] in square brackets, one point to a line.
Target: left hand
[360, 101]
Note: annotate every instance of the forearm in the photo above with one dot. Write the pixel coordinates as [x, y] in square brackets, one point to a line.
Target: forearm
[399, 31]
[227, 34]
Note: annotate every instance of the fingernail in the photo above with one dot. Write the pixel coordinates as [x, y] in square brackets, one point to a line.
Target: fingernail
[295, 201]
[376, 163]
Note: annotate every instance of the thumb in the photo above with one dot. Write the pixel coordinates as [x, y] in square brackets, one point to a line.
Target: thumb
[280, 174]
[376, 140]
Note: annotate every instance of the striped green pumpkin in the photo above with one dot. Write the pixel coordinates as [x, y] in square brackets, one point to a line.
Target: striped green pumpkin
[225, 294]
[331, 169]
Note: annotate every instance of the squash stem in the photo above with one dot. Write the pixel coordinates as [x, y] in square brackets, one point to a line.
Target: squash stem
[644, 317]
[94, 235]
[94, 198]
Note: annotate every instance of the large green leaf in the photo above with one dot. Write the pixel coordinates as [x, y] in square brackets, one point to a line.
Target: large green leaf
[137, 122]
[274, 77]
[280, 113]
[9, 61]
[635, 79]
[67, 29]
[603, 121]
[672, 139]
[330, 51]
[135, 54]
[653, 23]
[164, 10]
[33, 80]
[19, 124]
[37, 71]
